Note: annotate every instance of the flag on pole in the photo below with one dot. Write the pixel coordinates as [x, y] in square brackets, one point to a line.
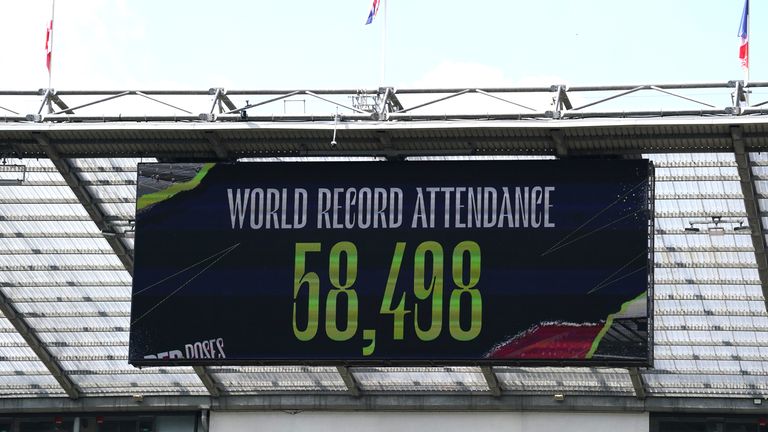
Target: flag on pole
[373, 12]
[744, 35]
[49, 45]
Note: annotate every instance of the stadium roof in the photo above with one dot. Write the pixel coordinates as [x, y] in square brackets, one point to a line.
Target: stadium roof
[67, 198]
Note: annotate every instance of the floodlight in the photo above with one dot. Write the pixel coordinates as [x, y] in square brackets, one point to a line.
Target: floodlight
[716, 231]
[742, 227]
[716, 225]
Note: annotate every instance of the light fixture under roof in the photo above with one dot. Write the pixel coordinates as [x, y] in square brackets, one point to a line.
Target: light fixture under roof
[692, 229]
[742, 227]
[716, 226]
[12, 174]
[716, 231]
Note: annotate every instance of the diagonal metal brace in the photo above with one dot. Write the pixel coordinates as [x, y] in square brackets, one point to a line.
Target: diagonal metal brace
[491, 380]
[87, 200]
[638, 383]
[208, 381]
[751, 205]
[389, 102]
[221, 100]
[349, 379]
[561, 100]
[34, 342]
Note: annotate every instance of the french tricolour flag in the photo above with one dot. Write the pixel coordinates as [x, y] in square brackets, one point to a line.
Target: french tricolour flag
[744, 35]
[373, 12]
[49, 45]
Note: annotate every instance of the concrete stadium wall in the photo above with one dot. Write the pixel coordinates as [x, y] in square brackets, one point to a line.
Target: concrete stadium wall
[361, 421]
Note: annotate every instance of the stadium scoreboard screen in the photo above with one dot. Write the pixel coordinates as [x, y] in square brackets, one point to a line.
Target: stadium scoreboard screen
[451, 262]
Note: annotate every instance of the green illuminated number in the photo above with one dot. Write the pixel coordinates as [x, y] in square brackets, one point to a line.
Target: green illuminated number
[435, 289]
[331, 326]
[399, 311]
[313, 286]
[476, 324]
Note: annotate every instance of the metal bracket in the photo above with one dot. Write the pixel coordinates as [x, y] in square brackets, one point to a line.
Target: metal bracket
[739, 97]
[217, 145]
[491, 380]
[561, 100]
[638, 383]
[208, 381]
[349, 379]
[221, 100]
[389, 102]
[559, 139]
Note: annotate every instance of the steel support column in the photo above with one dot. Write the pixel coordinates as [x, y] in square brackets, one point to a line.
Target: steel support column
[208, 381]
[353, 387]
[221, 99]
[638, 383]
[491, 380]
[218, 147]
[83, 195]
[389, 102]
[561, 100]
[388, 149]
[561, 150]
[752, 207]
[34, 342]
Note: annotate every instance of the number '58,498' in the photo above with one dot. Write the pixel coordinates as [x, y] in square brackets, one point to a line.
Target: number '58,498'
[427, 290]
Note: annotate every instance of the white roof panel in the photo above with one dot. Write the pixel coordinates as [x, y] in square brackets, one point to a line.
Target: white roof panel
[711, 333]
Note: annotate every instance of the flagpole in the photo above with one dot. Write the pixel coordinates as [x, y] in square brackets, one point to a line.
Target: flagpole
[749, 30]
[50, 42]
[384, 46]
[749, 54]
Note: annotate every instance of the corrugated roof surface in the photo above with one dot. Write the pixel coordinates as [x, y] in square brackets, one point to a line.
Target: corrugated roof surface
[62, 276]
[199, 139]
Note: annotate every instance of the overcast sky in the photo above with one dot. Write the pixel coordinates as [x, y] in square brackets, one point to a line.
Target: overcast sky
[260, 44]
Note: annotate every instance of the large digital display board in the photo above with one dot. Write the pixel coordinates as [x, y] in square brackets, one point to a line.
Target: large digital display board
[541, 262]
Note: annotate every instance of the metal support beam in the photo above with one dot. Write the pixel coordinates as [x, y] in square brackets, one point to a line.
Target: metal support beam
[217, 145]
[752, 207]
[353, 387]
[390, 102]
[638, 383]
[221, 100]
[389, 150]
[46, 93]
[83, 195]
[561, 100]
[34, 342]
[560, 148]
[492, 380]
[382, 402]
[208, 381]
[384, 104]
[51, 97]
[739, 97]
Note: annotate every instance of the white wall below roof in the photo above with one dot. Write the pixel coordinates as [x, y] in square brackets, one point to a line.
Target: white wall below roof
[369, 421]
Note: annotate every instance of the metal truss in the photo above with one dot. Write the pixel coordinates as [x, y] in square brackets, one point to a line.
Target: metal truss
[382, 104]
